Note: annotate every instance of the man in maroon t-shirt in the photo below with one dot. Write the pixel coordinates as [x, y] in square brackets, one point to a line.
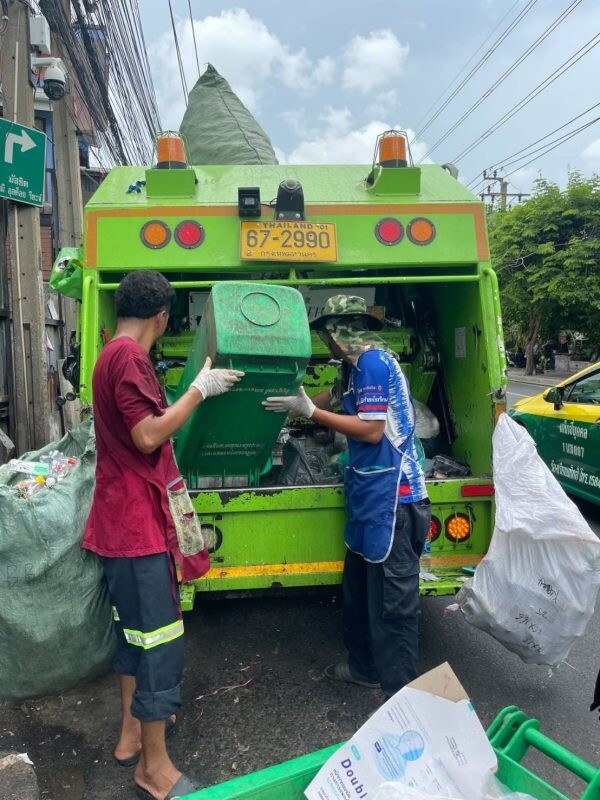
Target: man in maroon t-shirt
[131, 529]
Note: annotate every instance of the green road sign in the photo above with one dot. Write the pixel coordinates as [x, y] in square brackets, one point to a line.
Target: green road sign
[22, 163]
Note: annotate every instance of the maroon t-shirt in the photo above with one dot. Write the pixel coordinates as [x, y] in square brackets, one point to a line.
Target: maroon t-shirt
[130, 513]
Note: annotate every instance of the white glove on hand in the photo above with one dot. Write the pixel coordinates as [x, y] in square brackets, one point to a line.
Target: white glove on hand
[211, 382]
[299, 406]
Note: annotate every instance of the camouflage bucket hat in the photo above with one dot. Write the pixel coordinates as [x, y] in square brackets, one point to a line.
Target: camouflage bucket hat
[352, 336]
[346, 305]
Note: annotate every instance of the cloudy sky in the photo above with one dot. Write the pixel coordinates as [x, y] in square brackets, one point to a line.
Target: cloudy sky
[324, 77]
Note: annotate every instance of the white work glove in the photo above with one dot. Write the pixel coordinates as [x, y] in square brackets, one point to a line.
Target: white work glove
[299, 405]
[211, 382]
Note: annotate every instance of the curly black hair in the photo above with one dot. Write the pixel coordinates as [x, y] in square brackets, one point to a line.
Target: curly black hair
[142, 294]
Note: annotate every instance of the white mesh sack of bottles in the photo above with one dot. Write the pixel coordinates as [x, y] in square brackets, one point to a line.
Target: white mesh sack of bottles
[55, 616]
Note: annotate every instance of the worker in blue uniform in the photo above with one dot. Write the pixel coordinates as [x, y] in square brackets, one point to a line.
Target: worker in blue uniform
[389, 513]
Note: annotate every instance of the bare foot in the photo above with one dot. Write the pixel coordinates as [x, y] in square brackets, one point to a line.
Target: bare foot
[130, 740]
[159, 782]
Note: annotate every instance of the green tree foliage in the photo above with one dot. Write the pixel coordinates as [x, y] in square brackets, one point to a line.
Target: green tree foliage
[546, 252]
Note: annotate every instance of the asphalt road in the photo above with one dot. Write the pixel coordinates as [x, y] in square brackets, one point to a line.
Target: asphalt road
[517, 390]
[254, 694]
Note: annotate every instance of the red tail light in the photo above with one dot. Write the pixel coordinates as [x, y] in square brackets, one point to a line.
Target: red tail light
[435, 528]
[189, 234]
[477, 490]
[389, 231]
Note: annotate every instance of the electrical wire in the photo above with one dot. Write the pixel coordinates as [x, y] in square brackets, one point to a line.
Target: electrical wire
[179, 59]
[499, 81]
[109, 74]
[461, 70]
[507, 31]
[524, 150]
[557, 143]
[542, 86]
[194, 36]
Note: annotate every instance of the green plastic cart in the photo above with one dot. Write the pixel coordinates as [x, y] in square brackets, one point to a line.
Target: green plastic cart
[512, 733]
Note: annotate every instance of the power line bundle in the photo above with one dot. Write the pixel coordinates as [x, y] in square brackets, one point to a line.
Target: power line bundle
[106, 47]
[542, 144]
[522, 57]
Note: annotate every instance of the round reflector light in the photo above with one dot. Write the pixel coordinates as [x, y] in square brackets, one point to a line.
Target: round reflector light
[155, 234]
[458, 527]
[389, 231]
[435, 528]
[189, 234]
[420, 231]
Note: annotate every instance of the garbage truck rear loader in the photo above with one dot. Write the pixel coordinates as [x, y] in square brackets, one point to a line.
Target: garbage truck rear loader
[410, 240]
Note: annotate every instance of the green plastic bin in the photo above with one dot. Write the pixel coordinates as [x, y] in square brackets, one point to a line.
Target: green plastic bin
[66, 276]
[262, 330]
[511, 735]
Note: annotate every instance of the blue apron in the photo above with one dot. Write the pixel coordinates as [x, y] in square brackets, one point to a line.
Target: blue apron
[371, 497]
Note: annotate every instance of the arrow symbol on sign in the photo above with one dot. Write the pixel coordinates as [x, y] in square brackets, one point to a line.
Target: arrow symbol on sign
[24, 139]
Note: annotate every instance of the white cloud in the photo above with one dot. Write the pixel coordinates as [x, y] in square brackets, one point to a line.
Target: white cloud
[338, 140]
[243, 50]
[592, 151]
[387, 100]
[281, 156]
[521, 180]
[295, 69]
[324, 71]
[373, 61]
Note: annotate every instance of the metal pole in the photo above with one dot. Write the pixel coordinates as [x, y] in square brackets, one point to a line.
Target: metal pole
[30, 408]
[366, 281]
[18, 258]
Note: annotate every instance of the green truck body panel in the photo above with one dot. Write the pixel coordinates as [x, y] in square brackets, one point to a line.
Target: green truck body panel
[443, 319]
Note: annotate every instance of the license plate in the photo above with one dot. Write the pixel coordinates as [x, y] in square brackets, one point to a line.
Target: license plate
[284, 240]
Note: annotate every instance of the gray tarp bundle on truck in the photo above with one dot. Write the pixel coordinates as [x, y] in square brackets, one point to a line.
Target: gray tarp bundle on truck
[219, 129]
[55, 616]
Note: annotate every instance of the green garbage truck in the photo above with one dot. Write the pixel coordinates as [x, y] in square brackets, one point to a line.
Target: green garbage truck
[411, 240]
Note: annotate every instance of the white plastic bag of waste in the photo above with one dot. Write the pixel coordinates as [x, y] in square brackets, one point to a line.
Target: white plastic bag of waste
[427, 425]
[536, 588]
[491, 789]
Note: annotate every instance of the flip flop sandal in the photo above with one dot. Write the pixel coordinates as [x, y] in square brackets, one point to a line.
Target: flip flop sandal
[131, 761]
[183, 786]
[341, 672]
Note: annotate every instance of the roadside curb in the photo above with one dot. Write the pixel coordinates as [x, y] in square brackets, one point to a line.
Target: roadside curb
[537, 380]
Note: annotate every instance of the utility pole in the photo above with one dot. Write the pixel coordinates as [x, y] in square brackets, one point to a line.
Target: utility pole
[26, 287]
[68, 193]
[503, 194]
[66, 155]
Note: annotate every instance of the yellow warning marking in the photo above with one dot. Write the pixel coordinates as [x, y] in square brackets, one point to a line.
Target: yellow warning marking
[258, 570]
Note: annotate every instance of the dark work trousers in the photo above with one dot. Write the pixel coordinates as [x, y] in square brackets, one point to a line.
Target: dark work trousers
[149, 626]
[381, 604]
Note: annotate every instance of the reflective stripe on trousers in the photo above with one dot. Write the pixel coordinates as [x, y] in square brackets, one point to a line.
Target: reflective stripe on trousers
[154, 638]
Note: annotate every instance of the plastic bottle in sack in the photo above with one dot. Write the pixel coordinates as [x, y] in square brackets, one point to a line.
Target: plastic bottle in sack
[29, 486]
[28, 467]
[61, 466]
[425, 560]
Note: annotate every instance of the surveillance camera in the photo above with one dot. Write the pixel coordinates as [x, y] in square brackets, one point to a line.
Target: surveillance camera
[55, 76]
[54, 83]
